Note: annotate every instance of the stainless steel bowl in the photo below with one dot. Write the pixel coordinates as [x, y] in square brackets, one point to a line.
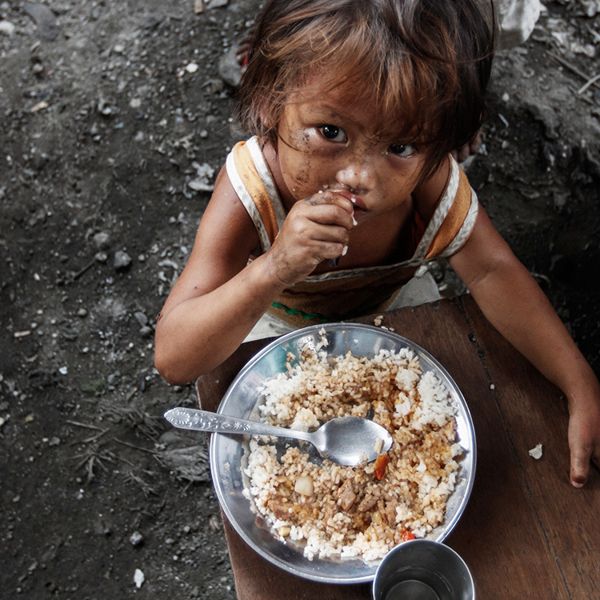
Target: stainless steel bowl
[241, 399]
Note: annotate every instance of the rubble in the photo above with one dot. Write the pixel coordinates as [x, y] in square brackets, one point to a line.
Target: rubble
[116, 119]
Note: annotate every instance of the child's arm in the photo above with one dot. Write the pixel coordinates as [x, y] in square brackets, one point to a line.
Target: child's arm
[513, 302]
[219, 296]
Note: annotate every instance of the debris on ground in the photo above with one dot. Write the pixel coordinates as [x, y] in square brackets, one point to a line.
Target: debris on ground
[116, 117]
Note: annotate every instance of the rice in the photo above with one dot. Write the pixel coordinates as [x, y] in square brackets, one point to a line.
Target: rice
[334, 511]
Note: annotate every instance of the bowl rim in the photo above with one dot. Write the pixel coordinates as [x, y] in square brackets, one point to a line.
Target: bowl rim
[305, 331]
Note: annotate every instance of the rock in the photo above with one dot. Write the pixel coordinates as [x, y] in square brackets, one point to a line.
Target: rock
[145, 331]
[201, 186]
[590, 7]
[39, 106]
[138, 578]
[216, 3]
[7, 28]
[229, 67]
[44, 19]
[102, 240]
[214, 523]
[105, 108]
[37, 68]
[140, 317]
[121, 261]
[201, 5]
[136, 538]
[113, 378]
[204, 173]
[213, 86]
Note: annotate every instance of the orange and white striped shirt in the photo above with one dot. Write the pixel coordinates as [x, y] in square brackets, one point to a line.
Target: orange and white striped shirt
[347, 293]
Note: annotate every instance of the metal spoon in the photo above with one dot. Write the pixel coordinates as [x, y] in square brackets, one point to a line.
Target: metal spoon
[349, 441]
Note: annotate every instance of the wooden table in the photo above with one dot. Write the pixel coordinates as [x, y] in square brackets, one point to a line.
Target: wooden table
[526, 532]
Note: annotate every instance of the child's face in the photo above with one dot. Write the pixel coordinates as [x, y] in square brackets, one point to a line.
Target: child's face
[329, 139]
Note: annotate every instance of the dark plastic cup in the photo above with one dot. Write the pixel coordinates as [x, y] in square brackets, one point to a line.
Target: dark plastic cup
[423, 570]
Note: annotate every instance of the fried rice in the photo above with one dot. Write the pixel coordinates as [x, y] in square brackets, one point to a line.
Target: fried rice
[334, 511]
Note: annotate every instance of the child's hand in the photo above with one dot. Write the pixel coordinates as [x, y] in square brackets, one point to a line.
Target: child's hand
[584, 439]
[316, 229]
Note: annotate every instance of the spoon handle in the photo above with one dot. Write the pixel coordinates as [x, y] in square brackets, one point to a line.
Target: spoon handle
[201, 420]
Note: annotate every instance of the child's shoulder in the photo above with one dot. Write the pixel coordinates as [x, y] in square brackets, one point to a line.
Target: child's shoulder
[225, 220]
[250, 169]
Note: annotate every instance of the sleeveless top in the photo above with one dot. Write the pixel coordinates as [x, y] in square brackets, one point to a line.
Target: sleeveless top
[348, 293]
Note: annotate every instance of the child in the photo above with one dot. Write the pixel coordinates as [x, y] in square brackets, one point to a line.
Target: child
[348, 187]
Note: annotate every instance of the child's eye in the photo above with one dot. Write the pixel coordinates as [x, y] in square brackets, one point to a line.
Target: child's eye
[404, 150]
[333, 133]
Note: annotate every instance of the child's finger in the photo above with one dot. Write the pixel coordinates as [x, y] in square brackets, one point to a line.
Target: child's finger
[328, 213]
[330, 197]
[331, 215]
[329, 233]
[580, 465]
[329, 250]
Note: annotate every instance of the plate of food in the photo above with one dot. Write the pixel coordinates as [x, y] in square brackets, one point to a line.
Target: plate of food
[320, 520]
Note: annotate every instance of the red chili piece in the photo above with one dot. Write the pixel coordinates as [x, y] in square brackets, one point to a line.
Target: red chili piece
[380, 464]
[407, 535]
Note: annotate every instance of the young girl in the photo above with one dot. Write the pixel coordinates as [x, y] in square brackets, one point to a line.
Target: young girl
[348, 188]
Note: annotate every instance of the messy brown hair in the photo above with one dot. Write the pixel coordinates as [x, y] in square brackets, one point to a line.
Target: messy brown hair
[424, 63]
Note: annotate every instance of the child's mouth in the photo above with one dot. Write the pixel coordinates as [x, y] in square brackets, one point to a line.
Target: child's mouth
[357, 201]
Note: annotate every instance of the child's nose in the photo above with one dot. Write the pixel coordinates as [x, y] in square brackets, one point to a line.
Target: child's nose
[357, 176]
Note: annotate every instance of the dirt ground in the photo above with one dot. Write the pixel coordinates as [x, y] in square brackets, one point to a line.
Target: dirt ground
[114, 116]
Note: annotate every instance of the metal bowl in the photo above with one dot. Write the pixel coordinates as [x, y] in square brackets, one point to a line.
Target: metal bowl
[241, 399]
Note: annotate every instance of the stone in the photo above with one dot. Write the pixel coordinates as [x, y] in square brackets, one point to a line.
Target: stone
[7, 28]
[121, 261]
[136, 538]
[102, 240]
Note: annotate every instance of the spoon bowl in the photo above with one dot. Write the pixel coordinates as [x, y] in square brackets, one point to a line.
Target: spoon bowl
[348, 441]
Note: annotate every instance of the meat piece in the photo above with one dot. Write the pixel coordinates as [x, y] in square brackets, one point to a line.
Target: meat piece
[280, 508]
[367, 503]
[346, 495]
[390, 512]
